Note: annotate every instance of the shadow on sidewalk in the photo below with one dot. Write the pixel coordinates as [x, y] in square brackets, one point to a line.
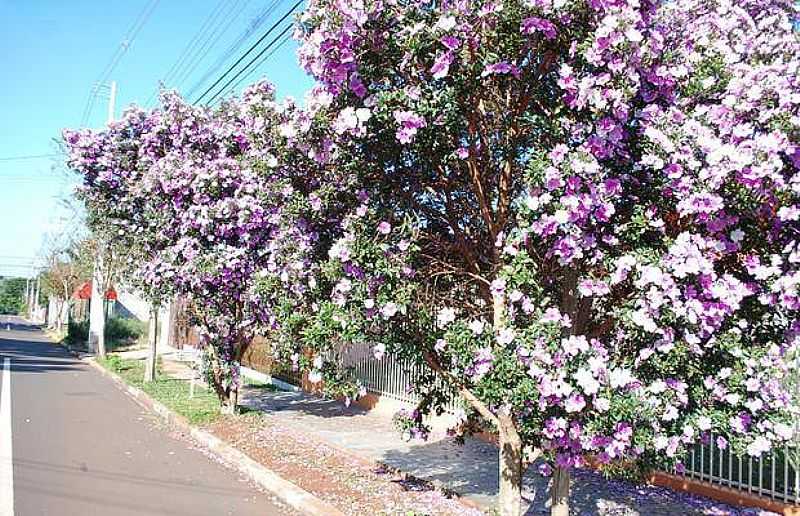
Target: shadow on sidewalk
[301, 402]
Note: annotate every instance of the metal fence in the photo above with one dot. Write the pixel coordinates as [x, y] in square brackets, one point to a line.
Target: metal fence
[775, 475]
[389, 376]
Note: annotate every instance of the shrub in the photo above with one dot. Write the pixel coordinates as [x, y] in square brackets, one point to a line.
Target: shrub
[121, 331]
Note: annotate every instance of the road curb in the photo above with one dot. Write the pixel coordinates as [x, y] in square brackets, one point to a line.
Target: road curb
[288, 492]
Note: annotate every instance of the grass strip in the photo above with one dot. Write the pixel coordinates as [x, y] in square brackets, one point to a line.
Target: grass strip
[201, 409]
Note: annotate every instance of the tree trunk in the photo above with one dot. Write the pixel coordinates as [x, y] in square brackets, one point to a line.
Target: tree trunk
[230, 401]
[559, 493]
[510, 499]
[150, 366]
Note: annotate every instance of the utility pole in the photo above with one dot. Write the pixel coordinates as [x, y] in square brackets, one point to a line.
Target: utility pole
[112, 99]
[36, 297]
[97, 307]
[27, 297]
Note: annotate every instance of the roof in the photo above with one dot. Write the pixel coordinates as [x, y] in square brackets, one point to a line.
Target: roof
[85, 292]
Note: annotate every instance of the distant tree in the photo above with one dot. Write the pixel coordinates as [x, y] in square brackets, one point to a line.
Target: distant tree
[12, 295]
[66, 270]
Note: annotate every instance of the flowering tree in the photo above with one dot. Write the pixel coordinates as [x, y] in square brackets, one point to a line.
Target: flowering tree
[582, 215]
[230, 201]
[110, 166]
[202, 205]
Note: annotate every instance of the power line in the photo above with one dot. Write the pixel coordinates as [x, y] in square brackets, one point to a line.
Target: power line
[120, 51]
[189, 49]
[257, 66]
[211, 42]
[249, 64]
[257, 22]
[32, 156]
[249, 50]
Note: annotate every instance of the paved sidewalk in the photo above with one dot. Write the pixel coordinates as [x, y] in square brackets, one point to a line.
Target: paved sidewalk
[470, 470]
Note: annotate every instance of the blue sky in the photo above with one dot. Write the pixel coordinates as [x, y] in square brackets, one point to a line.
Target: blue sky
[54, 51]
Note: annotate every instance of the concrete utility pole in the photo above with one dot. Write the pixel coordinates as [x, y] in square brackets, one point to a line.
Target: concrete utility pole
[27, 297]
[97, 307]
[36, 297]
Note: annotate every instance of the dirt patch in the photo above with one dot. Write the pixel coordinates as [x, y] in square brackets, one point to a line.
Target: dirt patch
[350, 484]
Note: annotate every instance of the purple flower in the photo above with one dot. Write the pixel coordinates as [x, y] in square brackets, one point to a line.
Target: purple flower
[451, 42]
[384, 228]
[545, 469]
[441, 67]
[534, 24]
[409, 123]
[498, 286]
[501, 68]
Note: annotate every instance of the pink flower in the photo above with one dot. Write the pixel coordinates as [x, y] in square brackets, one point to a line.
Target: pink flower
[384, 228]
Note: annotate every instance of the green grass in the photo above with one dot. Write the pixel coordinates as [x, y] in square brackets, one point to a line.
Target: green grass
[203, 408]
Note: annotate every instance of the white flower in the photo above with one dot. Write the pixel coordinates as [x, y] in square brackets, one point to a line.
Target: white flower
[379, 351]
[587, 381]
[287, 130]
[363, 114]
[318, 362]
[704, 423]
[369, 303]
[633, 35]
[445, 23]
[315, 377]
[670, 413]
[574, 403]
[754, 405]
[505, 336]
[620, 377]
[658, 386]
[733, 399]
[641, 318]
[389, 309]
[440, 345]
[783, 431]
[759, 445]
[445, 317]
[476, 325]
[602, 404]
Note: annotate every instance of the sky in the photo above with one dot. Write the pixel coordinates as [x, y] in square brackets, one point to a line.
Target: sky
[54, 52]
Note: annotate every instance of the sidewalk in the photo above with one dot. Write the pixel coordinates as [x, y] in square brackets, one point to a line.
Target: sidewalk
[471, 470]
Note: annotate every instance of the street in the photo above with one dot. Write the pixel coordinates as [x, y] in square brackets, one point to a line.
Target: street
[80, 446]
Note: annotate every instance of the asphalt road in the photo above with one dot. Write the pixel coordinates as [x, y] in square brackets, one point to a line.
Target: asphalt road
[80, 446]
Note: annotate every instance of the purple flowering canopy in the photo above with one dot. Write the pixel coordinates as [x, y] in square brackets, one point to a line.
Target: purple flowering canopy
[582, 216]
[602, 200]
[199, 195]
